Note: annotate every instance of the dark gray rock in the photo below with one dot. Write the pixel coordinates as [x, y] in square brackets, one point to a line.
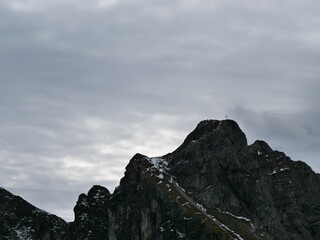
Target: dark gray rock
[21, 220]
[214, 186]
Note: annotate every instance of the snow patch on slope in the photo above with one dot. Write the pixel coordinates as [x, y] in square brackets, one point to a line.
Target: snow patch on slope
[280, 170]
[24, 233]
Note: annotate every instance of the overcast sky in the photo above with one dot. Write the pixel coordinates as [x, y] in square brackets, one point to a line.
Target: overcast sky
[87, 84]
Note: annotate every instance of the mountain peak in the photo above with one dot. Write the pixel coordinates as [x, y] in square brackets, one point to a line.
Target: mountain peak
[260, 147]
[214, 186]
[212, 130]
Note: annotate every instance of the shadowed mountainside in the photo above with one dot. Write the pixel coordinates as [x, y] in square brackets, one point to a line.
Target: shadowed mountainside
[214, 186]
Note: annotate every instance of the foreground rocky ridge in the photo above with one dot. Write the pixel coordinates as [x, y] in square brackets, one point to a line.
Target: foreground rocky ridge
[214, 186]
[21, 220]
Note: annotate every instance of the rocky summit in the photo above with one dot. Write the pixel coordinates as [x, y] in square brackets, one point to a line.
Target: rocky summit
[213, 187]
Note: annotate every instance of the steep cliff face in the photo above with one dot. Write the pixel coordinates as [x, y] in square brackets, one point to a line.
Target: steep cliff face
[278, 195]
[214, 186]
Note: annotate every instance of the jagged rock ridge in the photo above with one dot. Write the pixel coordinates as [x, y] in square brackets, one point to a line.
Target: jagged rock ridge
[214, 186]
[21, 220]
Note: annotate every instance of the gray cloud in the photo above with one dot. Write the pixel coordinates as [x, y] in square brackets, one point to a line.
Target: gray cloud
[293, 130]
[85, 85]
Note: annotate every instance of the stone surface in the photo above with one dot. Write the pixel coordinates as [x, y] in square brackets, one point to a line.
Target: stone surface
[214, 186]
[21, 220]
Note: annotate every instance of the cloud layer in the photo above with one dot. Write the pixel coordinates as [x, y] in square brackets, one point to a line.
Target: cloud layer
[87, 84]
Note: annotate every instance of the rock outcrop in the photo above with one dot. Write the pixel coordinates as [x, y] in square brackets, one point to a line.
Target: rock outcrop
[21, 220]
[214, 186]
